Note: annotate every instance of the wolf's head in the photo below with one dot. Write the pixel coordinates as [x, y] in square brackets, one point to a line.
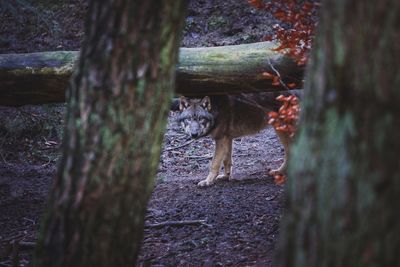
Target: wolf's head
[195, 117]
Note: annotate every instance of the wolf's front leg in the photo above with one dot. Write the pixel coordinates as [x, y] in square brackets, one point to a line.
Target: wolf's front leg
[227, 160]
[222, 146]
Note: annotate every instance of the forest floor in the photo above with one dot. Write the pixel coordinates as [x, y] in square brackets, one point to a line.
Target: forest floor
[241, 216]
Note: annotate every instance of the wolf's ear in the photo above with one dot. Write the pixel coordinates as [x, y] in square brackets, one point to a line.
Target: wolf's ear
[206, 103]
[184, 103]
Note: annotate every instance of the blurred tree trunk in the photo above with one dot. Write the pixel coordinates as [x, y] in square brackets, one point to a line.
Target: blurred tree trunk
[344, 179]
[117, 109]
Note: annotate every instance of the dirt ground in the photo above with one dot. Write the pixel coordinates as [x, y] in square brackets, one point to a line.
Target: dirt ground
[239, 219]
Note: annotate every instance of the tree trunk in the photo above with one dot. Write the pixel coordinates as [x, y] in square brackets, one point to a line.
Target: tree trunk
[39, 78]
[344, 174]
[117, 110]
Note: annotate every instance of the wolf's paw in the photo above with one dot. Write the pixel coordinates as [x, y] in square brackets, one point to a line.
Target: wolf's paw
[205, 183]
[223, 177]
[275, 172]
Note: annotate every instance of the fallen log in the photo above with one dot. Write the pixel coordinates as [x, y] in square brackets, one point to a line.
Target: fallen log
[39, 78]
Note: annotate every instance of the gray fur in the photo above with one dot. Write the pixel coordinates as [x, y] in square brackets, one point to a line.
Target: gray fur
[225, 118]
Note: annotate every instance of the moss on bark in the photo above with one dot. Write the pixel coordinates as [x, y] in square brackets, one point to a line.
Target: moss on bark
[39, 78]
[113, 134]
[344, 173]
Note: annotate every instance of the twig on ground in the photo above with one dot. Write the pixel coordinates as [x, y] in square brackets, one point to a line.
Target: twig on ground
[29, 220]
[48, 162]
[177, 223]
[201, 157]
[176, 147]
[174, 134]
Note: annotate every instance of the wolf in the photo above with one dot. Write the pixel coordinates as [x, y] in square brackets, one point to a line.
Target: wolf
[227, 117]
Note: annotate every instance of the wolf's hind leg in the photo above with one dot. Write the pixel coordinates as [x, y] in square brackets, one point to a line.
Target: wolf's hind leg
[285, 139]
[221, 148]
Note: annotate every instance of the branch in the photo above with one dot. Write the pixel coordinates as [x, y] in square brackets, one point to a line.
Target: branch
[180, 146]
[282, 83]
[177, 223]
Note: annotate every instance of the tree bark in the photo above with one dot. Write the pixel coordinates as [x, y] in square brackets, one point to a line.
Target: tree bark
[39, 78]
[344, 174]
[117, 108]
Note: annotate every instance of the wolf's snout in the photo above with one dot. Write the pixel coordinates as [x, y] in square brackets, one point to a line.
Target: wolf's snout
[194, 129]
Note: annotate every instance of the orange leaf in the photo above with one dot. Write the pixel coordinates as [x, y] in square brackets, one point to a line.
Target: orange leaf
[273, 114]
[279, 179]
[280, 98]
[275, 81]
[268, 75]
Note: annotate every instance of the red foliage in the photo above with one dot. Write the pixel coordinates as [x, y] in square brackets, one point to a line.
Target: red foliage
[285, 120]
[295, 37]
[279, 179]
[298, 17]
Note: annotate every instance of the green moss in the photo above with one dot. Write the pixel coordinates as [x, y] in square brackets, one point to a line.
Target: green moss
[140, 88]
[44, 63]
[339, 44]
[61, 56]
[109, 138]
